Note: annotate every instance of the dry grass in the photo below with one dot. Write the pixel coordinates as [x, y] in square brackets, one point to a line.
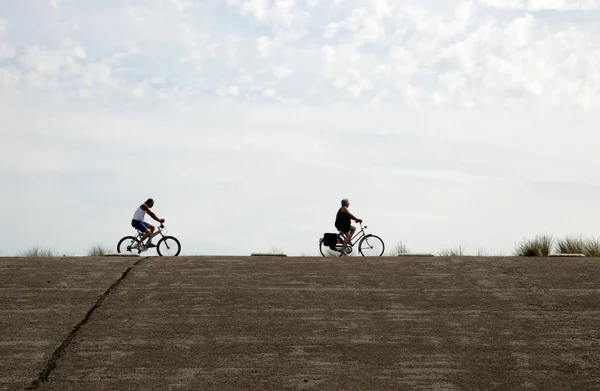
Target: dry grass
[399, 248]
[453, 252]
[98, 251]
[276, 250]
[38, 252]
[592, 247]
[570, 245]
[540, 246]
[573, 245]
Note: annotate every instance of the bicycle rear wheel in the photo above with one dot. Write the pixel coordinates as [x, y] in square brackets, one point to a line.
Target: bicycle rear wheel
[128, 244]
[327, 251]
[371, 246]
[168, 246]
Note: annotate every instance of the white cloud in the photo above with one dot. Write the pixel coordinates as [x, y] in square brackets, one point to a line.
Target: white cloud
[158, 80]
[51, 68]
[6, 51]
[196, 59]
[182, 5]
[271, 93]
[229, 91]
[257, 8]
[139, 90]
[263, 44]
[491, 58]
[3, 26]
[244, 77]
[95, 74]
[364, 23]
[538, 5]
[41, 61]
[135, 14]
[282, 72]
[280, 13]
[9, 78]
[55, 4]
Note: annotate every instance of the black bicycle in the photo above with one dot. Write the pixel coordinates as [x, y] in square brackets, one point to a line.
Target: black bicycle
[369, 245]
[167, 245]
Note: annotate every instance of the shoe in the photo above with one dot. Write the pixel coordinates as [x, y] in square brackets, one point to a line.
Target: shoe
[149, 245]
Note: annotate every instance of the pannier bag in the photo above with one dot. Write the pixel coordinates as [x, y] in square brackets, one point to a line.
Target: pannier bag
[330, 239]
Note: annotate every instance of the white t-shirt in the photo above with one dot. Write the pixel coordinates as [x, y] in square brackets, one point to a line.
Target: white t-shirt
[139, 214]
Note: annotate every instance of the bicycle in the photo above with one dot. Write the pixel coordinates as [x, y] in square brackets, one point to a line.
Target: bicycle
[368, 244]
[166, 246]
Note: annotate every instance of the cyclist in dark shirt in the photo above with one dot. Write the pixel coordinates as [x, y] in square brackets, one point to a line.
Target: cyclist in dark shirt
[342, 223]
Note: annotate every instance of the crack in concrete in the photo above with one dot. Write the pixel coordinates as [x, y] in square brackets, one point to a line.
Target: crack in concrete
[51, 364]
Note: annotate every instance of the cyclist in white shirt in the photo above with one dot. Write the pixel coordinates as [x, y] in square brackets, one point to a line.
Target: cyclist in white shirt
[138, 221]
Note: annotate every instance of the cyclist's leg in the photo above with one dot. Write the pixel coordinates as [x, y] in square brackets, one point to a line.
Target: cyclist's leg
[353, 231]
[348, 232]
[341, 230]
[142, 227]
[150, 234]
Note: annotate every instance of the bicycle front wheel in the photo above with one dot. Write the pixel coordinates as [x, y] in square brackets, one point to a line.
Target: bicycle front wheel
[128, 244]
[371, 246]
[168, 246]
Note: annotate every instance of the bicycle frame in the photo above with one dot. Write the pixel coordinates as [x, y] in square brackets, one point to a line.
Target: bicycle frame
[158, 231]
[358, 235]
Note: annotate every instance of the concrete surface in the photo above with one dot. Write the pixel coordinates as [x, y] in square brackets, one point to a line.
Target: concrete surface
[41, 301]
[268, 323]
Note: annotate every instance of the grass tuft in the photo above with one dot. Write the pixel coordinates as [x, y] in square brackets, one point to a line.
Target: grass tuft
[571, 245]
[453, 252]
[38, 252]
[540, 246]
[592, 247]
[276, 250]
[98, 251]
[399, 248]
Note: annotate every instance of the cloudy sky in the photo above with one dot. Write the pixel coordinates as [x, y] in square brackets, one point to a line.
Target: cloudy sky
[445, 122]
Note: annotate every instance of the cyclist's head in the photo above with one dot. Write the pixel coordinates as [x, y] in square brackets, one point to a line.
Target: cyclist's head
[149, 202]
[345, 202]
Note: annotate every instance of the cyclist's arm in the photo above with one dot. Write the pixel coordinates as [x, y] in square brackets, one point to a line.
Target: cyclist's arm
[352, 216]
[355, 218]
[151, 214]
[155, 217]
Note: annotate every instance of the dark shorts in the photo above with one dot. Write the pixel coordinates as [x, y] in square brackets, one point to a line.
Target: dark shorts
[344, 229]
[139, 225]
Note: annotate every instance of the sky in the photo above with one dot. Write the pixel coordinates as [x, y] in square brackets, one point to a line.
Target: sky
[447, 123]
